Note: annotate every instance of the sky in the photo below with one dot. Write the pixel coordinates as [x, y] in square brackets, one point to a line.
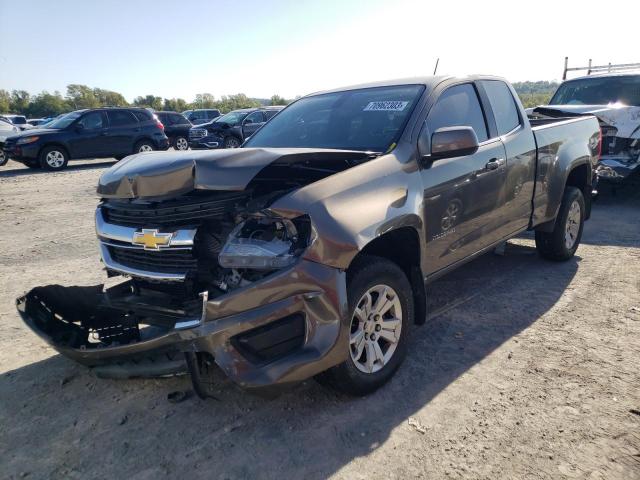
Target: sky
[175, 48]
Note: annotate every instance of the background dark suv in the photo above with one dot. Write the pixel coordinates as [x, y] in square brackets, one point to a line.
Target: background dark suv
[95, 133]
[231, 129]
[176, 127]
[200, 116]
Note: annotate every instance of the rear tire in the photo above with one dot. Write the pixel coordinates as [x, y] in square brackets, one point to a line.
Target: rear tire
[144, 146]
[54, 158]
[181, 143]
[3, 158]
[561, 244]
[377, 342]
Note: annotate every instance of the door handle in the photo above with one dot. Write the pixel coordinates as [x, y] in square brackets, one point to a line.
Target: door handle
[494, 163]
[104, 134]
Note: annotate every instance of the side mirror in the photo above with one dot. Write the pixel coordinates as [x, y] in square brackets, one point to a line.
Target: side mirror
[450, 142]
[248, 121]
[447, 142]
[79, 127]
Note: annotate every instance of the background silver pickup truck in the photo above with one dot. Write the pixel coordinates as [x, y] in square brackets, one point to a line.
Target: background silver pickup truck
[307, 252]
[614, 98]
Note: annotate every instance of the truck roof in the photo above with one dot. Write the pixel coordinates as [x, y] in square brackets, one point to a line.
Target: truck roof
[430, 81]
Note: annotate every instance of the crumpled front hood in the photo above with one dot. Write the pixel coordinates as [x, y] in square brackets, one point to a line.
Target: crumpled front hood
[166, 174]
[626, 119]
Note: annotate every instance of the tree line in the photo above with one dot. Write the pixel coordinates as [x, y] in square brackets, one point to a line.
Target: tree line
[537, 93]
[46, 104]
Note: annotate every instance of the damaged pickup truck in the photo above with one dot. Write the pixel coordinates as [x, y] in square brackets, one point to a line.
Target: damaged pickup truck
[307, 252]
[614, 99]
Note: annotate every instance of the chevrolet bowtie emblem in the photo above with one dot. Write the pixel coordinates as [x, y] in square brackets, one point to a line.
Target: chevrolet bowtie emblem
[151, 239]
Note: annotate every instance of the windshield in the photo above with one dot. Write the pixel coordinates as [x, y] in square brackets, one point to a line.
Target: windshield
[599, 91]
[369, 119]
[65, 120]
[232, 118]
[18, 120]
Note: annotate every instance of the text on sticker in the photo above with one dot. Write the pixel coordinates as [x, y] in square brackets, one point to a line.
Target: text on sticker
[389, 106]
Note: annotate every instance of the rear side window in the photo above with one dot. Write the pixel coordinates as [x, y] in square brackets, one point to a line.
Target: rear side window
[503, 105]
[120, 118]
[178, 119]
[141, 116]
[458, 107]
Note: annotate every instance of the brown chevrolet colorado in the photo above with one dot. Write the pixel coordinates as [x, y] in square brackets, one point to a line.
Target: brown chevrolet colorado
[307, 251]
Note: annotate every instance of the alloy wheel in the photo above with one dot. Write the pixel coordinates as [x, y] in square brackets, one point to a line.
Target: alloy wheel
[572, 227]
[55, 159]
[145, 148]
[375, 328]
[182, 144]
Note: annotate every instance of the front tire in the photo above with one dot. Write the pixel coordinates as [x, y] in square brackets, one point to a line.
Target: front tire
[3, 158]
[231, 142]
[561, 244]
[144, 146]
[54, 158]
[381, 312]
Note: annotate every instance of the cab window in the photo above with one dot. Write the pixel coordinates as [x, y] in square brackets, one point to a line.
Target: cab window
[459, 106]
[503, 105]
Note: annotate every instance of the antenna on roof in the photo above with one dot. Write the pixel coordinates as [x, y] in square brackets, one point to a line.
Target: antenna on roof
[436, 67]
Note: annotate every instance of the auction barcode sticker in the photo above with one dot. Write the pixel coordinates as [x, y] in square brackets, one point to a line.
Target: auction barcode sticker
[388, 106]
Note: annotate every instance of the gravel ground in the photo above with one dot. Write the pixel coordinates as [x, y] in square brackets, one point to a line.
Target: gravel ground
[527, 369]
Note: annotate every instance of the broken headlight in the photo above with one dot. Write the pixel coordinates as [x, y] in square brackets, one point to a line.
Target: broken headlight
[265, 243]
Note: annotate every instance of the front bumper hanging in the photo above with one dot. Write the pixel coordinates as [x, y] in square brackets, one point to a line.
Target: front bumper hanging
[277, 331]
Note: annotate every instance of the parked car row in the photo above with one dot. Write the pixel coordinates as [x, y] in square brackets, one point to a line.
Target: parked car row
[120, 131]
[7, 129]
[20, 121]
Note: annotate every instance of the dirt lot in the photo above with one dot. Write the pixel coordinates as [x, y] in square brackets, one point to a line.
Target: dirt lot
[527, 369]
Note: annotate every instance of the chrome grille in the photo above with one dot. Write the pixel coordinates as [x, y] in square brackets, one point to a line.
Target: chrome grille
[196, 133]
[162, 261]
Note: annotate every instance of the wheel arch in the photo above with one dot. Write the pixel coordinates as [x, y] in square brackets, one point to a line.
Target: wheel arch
[402, 247]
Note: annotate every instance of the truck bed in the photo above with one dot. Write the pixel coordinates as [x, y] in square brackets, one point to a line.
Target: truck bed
[560, 143]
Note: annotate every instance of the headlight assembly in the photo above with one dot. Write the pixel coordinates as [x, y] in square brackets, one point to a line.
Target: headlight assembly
[265, 243]
[25, 140]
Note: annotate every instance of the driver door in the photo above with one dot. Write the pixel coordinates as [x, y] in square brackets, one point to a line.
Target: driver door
[252, 123]
[462, 195]
[89, 136]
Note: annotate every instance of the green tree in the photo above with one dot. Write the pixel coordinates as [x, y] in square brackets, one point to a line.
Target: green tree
[204, 100]
[174, 105]
[47, 104]
[19, 102]
[109, 98]
[81, 96]
[149, 101]
[278, 100]
[5, 101]
[233, 102]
